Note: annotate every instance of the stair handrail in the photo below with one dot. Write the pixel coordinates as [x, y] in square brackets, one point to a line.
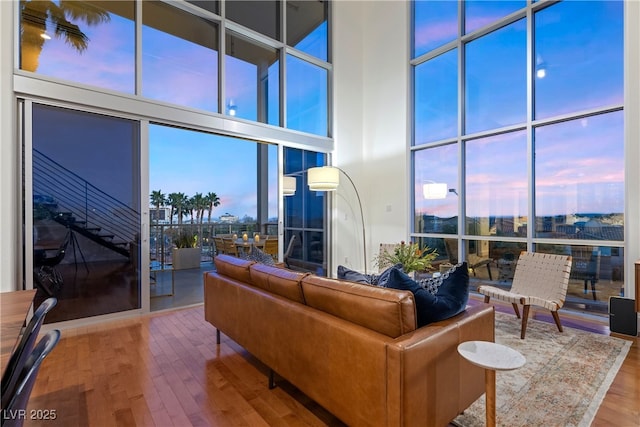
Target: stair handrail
[70, 191]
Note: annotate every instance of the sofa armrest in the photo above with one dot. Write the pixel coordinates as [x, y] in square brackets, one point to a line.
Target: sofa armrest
[428, 381]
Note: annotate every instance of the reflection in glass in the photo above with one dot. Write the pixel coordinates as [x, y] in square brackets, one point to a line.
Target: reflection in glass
[306, 97]
[436, 98]
[579, 57]
[597, 273]
[80, 41]
[179, 57]
[252, 80]
[492, 261]
[579, 173]
[436, 165]
[210, 5]
[86, 219]
[496, 197]
[480, 13]
[262, 16]
[435, 23]
[307, 27]
[496, 79]
[305, 214]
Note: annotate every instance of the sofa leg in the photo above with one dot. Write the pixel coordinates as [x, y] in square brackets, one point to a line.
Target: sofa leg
[272, 381]
[218, 336]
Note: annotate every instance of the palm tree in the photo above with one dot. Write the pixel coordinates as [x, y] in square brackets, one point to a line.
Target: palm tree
[199, 203]
[173, 199]
[182, 206]
[157, 199]
[214, 201]
[34, 16]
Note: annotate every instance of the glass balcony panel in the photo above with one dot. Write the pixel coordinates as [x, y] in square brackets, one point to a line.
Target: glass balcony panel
[578, 57]
[496, 197]
[436, 98]
[438, 165]
[496, 79]
[91, 43]
[579, 169]
[179, 57]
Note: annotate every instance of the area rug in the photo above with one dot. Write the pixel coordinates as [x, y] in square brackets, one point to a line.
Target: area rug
[563, 382]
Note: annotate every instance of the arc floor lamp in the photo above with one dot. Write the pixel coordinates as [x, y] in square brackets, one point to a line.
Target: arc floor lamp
[327, 178]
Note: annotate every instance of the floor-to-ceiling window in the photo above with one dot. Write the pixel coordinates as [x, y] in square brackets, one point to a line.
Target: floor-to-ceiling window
[518, 137]
[305, 215]
[237, 74]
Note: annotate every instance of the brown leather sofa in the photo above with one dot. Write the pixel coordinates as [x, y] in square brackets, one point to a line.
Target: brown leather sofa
[352, 348]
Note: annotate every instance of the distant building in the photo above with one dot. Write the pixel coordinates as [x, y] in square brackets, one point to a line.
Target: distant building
[159, 215]
[228, 218]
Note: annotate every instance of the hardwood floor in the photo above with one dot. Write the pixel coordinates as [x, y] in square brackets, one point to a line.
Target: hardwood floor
[165, 369]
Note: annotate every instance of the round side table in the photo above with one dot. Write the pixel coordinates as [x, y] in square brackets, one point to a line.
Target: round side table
[492, 357]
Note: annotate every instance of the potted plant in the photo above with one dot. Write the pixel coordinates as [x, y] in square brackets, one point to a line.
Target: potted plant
[186, 253]
[412, 257]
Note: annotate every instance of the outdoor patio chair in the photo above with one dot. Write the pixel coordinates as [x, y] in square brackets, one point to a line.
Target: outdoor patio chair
[474, 261]
[229, 246]
[539, 279]
[219, 244]
[289, 251]
[586, 266]
[271, 247]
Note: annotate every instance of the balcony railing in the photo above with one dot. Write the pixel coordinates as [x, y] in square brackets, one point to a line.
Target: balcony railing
[161, 238]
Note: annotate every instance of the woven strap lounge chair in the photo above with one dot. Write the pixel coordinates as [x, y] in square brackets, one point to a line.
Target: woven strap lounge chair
[539, 279]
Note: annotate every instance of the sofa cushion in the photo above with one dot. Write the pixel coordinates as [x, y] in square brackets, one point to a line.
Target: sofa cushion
[233, 267]
[383, 310]
[450, 299]
[279, 281]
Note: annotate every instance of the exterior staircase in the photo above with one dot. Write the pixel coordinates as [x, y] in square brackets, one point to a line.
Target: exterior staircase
[72, 201]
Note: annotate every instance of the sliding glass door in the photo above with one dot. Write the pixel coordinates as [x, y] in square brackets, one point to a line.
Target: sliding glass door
[82, 210]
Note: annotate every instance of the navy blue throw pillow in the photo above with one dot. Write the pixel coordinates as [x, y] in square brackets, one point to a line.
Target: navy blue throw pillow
[346, 273]
[451, 298]
[382, 279]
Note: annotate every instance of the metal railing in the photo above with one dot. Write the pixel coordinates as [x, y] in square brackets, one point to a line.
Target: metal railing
[162, 238]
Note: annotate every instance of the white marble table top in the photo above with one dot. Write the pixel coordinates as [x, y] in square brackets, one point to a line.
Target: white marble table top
[490, 355]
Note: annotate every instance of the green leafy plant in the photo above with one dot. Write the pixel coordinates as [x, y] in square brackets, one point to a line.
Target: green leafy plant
[186, 239]
[411, 256]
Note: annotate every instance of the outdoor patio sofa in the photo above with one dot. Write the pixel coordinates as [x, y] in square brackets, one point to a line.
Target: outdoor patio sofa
[353, 348]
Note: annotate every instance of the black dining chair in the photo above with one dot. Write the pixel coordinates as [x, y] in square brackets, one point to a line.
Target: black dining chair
[13, 414]
[23, 350]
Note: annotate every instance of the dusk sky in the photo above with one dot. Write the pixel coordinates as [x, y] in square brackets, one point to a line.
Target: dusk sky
[588, 151]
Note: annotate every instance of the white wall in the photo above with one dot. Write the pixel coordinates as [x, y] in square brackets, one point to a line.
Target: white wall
[8, 156]
[370, 88]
